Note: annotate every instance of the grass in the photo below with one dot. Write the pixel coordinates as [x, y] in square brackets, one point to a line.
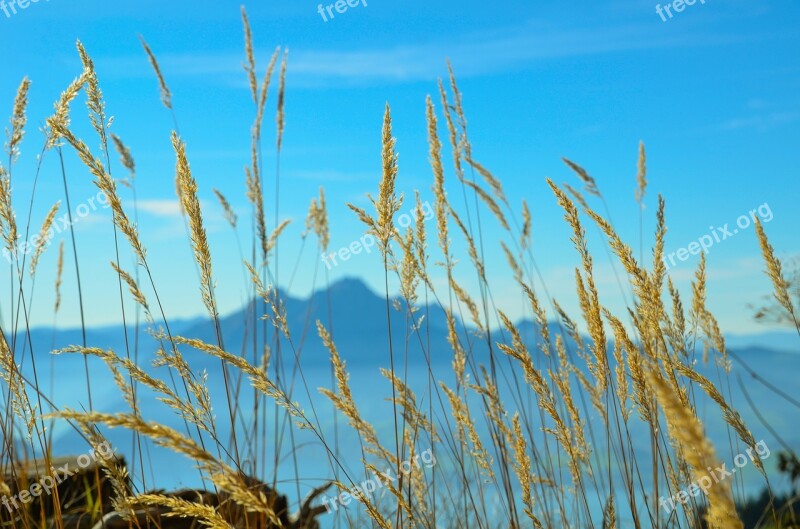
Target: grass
[543, 435]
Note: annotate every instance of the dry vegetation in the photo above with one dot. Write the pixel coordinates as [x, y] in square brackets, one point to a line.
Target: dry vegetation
[560, 451]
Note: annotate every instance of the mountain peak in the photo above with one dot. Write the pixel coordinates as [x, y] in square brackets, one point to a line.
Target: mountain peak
[351, 286]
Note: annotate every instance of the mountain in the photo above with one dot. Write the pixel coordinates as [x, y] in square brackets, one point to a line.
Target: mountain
[787, 341]
[359, 328]
[355, 316]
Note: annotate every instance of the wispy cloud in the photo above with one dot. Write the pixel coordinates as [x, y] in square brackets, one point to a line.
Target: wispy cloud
[166, 217]
[473, 54]
[728, 270]
[761, 122]
[331, 176]
[168, 208]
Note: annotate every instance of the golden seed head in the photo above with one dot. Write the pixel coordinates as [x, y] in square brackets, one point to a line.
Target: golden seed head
[281, 116]
[44, 236]
[18, 120]
[641, 175]
[166, 95]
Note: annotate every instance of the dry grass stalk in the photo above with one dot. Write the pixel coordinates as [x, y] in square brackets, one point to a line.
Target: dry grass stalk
[563, 434]
[230, 215]
[420, 241]
[589, 183]
[540, 317]
[609, 514]
[18, 120]
[464, 297]
[134, 290]
[197, 385]
[494, 407]
[458, 101]
[730, 415]
[525, 235]
[264, 93]
[522, 468]
[453, 133]
[564, 385]
[577, 195]
[387, 204]
[59, 273]
[416, 482]
[409, 267]
[435, 153]
[321, 225]
[250, 66]
[17, 392]
[589, 297]
[519, 275]
[641, 174]
[8, 219]
[44, 236]
[256, 198]
[677, 327]
[166, 95]
[490, 202]
[218, 472]
[702, 318]
[61, 115]
[191, 204]
[106, 184]
[317, 220]
[206, 515]
[280, 118]
[472, 250]
[775, 272]
[459, 356]
[494, 183]
[276, 233]
[463, 418]
[639, 277]
[94, 96]
[166, 395]
[270, 298]
[405, 397]
[125, 156]
[687, 431]
[402, 502]
[624, 347]
[343, 398]
[659, 267]
[258, 377]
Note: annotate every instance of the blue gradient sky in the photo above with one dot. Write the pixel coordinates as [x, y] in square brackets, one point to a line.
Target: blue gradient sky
[713, 92]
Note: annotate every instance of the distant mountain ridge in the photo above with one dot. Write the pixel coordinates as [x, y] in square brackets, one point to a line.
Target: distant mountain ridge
[356, 317]
[360, 332]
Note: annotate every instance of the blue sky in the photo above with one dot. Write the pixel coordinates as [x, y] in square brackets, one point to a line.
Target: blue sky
[713, 92]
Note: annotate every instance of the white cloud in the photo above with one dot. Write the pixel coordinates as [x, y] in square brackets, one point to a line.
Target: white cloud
[736, 269]
[160, 207]
[761, 122]
[332, 176]
[473, 54]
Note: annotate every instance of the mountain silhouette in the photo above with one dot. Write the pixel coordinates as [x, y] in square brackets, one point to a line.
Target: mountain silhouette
[356, 317]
